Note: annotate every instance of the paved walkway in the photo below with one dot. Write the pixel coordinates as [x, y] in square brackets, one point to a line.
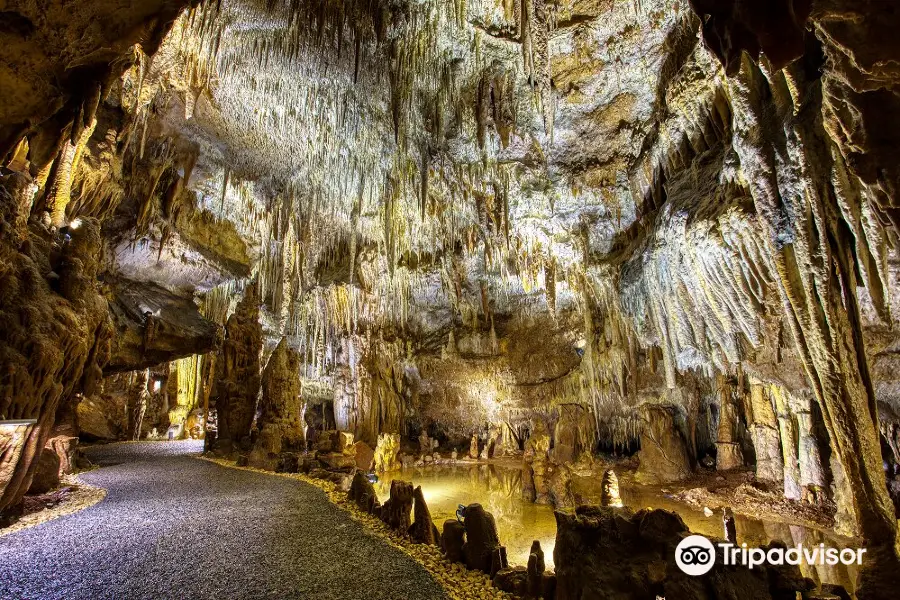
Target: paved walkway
[176, 527]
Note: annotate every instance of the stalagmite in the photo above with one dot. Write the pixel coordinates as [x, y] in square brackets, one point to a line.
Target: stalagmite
[238, 374]
[610, 487]
[728, 450]
[59, 193]
[788, 431]
[766, 437]
[376, 242]
[279, 419]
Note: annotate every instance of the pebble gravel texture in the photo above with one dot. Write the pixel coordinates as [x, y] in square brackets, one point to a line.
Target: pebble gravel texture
[172, 526]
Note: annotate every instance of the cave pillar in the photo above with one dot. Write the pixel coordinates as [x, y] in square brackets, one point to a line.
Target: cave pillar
[788, 431]
[728, 449]
[812, 475]
[238, 371]
[535, 482]
[764, 430]
[138, 397]
[279, 421]
[785, 156]
[573, 433]
[44, 366]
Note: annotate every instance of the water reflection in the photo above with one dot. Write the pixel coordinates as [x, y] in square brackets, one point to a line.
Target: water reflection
[519, 522]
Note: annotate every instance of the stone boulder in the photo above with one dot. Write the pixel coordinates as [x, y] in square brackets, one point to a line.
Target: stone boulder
[453, 539]
[512, 580]
[46, 476]
[337, 461]
[365, 456]
[343, 481]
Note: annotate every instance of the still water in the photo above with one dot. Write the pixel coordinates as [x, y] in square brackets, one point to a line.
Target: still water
[519, 522]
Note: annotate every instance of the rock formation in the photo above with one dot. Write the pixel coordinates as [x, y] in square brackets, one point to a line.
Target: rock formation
[279, 419]
[481, 538]
[238, 375]
[423, 530]
[386, 452]
[664, 456]
[397, 510]
[362, 492]
[629, 555]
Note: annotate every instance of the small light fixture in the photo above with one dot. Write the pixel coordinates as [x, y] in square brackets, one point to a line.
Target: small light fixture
[75, 224]
[460, 512]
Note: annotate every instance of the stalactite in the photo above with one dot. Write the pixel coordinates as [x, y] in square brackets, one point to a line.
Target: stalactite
[59, 193]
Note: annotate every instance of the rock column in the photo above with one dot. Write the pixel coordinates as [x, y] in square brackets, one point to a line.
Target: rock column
[238, 372]
[765, 435]
[279, 422]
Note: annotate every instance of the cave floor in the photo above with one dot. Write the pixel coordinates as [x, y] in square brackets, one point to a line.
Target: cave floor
[173, 526]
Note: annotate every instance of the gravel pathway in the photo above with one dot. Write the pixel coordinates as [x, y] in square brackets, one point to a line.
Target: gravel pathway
[173, 526]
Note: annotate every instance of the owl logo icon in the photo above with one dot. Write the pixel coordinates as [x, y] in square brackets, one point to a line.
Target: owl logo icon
[695, 555]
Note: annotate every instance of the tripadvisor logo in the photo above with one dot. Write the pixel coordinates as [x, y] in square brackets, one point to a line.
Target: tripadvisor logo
[696, 555]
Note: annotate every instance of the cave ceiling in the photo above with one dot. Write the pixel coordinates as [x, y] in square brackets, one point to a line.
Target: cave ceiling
[519, 187]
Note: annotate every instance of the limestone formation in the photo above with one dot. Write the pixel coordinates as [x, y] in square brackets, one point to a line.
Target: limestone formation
[362, 492]
[386, 452]
[397, 510]
[629, 555]
[728, 449]
[279, 420]
[664, 455]
[610, 490]
[238, 373]
[654, 236]
[481, 538]
[423, 530]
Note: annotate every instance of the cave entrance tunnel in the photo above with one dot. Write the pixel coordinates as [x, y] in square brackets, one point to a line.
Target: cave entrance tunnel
[544, 286]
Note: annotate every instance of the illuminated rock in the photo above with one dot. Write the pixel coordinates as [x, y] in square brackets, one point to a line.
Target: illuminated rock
[610, 490]
[663, 453]
[386, 452]
[238, 373]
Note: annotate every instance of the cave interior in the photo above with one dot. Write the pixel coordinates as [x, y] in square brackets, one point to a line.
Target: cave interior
[561, 259]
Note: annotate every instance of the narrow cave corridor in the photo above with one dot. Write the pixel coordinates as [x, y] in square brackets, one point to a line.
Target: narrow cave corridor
[559, 299]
